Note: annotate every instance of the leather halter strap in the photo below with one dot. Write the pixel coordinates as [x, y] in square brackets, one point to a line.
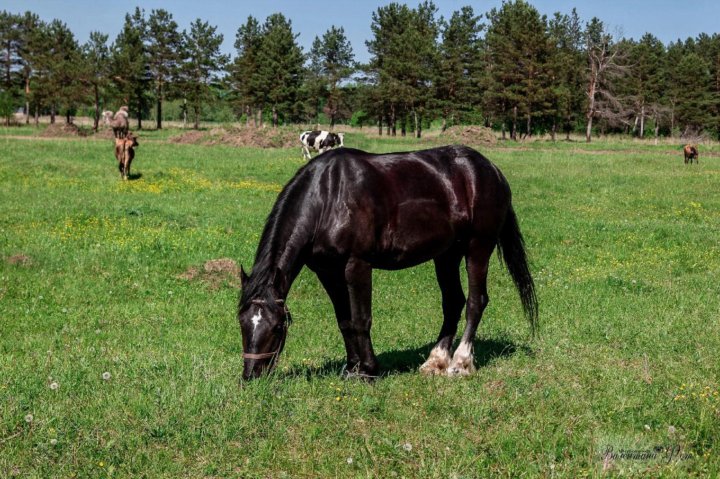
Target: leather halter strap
[259, 355]
[277, 351]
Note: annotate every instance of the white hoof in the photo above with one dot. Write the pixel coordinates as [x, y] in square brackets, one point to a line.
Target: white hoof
[437, 363]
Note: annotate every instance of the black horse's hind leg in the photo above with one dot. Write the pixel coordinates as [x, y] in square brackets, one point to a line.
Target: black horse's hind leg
[478, 259]
[350, 292]
[447, 270]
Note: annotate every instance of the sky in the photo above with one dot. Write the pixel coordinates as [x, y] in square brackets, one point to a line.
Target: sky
[668, 20]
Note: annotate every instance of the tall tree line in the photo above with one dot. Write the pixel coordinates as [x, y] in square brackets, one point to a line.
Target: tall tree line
[512, 69]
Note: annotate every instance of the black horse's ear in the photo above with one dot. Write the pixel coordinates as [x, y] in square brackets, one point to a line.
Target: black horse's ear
[243, 277]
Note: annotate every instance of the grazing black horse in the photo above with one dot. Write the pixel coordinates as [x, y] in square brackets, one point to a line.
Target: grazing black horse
[348, 211]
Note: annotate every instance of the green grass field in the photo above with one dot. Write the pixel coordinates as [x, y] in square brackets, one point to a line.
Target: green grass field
[622, 381]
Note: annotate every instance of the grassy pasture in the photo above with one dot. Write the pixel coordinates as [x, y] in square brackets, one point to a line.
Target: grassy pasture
[623, 241]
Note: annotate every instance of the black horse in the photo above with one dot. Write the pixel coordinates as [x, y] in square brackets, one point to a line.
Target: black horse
[348, 211]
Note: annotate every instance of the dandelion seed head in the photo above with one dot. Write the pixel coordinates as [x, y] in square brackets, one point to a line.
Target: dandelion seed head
[29, 418]
[54, 385]
[53, 442]
[349, 460]
[407, 446]
[106, 375]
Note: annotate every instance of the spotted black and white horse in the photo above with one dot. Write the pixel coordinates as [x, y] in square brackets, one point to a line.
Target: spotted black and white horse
[319, 141]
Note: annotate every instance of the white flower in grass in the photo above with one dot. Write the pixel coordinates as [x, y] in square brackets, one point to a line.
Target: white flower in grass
[407, 446]
[671, 430]
[349, 460]
[53, 442]
[54, 385]
[647, 427]
[106, 376]
[29, 418]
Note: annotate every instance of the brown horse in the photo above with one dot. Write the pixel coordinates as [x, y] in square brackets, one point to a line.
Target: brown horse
[348, 211]
[691, 153]
[124, 153]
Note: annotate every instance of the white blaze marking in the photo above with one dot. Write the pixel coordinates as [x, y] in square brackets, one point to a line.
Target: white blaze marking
[256, 319]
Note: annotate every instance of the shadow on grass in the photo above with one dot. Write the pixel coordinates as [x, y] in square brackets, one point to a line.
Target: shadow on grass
[409, 360]
[134, 176]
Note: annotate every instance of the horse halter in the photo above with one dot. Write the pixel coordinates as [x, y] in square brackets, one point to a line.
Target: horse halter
[286, 323]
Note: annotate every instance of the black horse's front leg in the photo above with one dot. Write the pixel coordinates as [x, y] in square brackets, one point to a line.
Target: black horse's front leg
[358, 275]
[361, 359]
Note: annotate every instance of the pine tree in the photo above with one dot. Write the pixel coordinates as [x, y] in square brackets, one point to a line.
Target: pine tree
[164, 51]
[460, 66]
[130, 64]
[518, 48]
[202, 64]
[403, 66]
[244, 73]
[96, 56]
[280, 71]
[567, 66]
[331, 62]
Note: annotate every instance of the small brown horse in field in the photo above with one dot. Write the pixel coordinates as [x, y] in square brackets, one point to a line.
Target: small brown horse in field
[124, 153]
[691, 153]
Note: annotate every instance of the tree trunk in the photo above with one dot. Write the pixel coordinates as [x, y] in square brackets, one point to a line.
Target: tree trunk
[513, 132]
[27, 100]
[196, 110]
[418, 126]
[37, 116]
[159, 115]
[96, 121]
[52, 114]
[380, 125]
[642, 121]
[672, 121]
[444, 124]
[553, 130]
[139, 113]
[68, 120]
[528, 127]
[274, 116]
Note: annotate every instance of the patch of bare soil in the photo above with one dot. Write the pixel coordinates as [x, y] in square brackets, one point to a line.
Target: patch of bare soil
[469, 135]
[62, 129]
[19, 260]
[281, 137]
[104, 133]
[215, 273]
[192, 137]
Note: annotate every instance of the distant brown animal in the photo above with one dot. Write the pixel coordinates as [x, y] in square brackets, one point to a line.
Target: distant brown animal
[119, 122]
[124, 153]
[691, 153]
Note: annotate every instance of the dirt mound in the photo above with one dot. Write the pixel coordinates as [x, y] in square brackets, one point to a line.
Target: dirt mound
[469, 135]
[189, 138]
[282, 137]
[62, 129]
[19, 260]
[215, 273]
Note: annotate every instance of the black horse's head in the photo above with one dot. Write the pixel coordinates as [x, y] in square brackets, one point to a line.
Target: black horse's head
[264, 321]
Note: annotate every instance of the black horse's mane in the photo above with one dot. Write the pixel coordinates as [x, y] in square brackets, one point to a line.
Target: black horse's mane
[269, 246]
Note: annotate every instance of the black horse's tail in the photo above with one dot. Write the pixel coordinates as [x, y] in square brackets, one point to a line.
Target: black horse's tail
[511, 249]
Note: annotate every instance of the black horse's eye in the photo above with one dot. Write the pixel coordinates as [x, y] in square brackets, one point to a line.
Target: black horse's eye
[278, 328]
